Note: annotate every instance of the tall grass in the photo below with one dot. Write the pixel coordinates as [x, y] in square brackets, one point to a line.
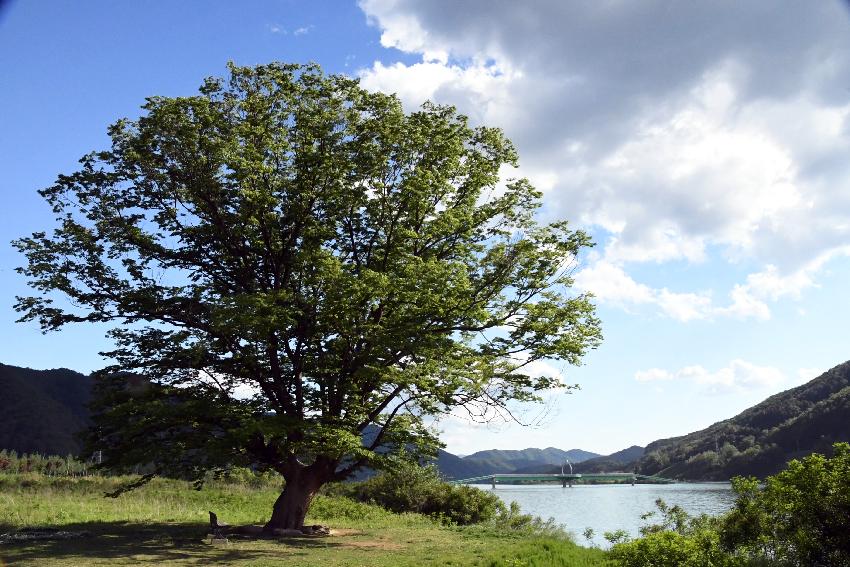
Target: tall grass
[50, 465]
[34, 499]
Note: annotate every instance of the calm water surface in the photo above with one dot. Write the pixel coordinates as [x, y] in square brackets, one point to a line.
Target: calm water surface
[606, 508]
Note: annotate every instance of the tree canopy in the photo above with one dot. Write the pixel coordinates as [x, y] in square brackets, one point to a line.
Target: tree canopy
[301, 271]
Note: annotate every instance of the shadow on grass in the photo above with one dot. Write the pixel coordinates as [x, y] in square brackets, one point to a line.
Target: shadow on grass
[153, 544]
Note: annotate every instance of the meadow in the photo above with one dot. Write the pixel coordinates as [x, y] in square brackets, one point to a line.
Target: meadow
[166, 523]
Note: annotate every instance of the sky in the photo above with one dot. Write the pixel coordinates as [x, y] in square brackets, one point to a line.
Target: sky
[704, 146]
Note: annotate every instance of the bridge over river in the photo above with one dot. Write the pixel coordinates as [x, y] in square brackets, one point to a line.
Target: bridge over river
[564, 479]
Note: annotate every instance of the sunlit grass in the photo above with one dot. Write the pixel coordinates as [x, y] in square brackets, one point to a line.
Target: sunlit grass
[165, 523]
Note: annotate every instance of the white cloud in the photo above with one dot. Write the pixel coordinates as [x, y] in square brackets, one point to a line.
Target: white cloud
[657, 243]
[685, 306]
[728, 129]
[745, 305]
[610, 284]
[771, 284]
[400, 29]
[739, 375]
[303, 30]
[749, 299]
[475, 87]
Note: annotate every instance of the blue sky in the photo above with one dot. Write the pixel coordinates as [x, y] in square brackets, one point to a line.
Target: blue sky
[704, 146]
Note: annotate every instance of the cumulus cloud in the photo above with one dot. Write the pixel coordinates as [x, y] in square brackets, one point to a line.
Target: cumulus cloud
[745, 305]
[674, 130]
[739, 375]
[610, 284]
[749, 299]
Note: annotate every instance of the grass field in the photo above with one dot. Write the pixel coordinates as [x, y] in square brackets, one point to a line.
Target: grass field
[165, 523]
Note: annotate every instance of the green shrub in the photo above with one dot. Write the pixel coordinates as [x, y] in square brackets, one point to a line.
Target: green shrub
[255, 479]
[327, 508]
[676, 538]
[544, 552]
[801, 516]
[512, 519]
[672, 549]
[413, 488]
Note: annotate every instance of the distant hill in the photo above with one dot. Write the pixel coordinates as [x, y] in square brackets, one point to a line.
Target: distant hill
[454, 467]
[524, 460]
[760, 440]
[41, 410]
[628, 455]
[624, 460]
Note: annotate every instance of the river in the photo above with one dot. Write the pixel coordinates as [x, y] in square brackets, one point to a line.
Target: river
[610, 507]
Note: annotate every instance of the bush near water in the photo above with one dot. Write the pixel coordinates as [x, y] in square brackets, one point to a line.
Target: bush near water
[799, 517]
[420, 489]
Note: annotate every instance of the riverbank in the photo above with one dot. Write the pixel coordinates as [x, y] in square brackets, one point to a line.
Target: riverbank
[166, 522]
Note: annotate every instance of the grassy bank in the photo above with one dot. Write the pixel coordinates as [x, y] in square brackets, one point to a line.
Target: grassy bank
[165, 523]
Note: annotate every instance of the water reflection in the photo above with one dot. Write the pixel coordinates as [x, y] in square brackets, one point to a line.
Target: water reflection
[613, 507]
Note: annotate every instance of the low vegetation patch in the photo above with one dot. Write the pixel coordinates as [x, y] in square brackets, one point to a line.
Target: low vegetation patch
[798, 517]
[166, 523]
[413, 488]
[49, 465]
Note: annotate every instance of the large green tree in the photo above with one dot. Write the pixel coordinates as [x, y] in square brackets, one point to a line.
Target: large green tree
[301, 272]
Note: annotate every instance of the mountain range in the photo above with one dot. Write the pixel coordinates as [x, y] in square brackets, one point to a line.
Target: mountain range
[621, 461]
[507, 461]
[41, 410]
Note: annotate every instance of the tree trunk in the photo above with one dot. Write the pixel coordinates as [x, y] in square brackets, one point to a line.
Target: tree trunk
[291, 506]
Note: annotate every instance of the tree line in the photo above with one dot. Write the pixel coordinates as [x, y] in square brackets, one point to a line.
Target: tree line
[49, 465]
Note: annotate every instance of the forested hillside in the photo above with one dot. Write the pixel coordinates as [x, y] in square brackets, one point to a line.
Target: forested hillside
[760, 440]
[623, 460]
[454, 467]
[41, 410]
